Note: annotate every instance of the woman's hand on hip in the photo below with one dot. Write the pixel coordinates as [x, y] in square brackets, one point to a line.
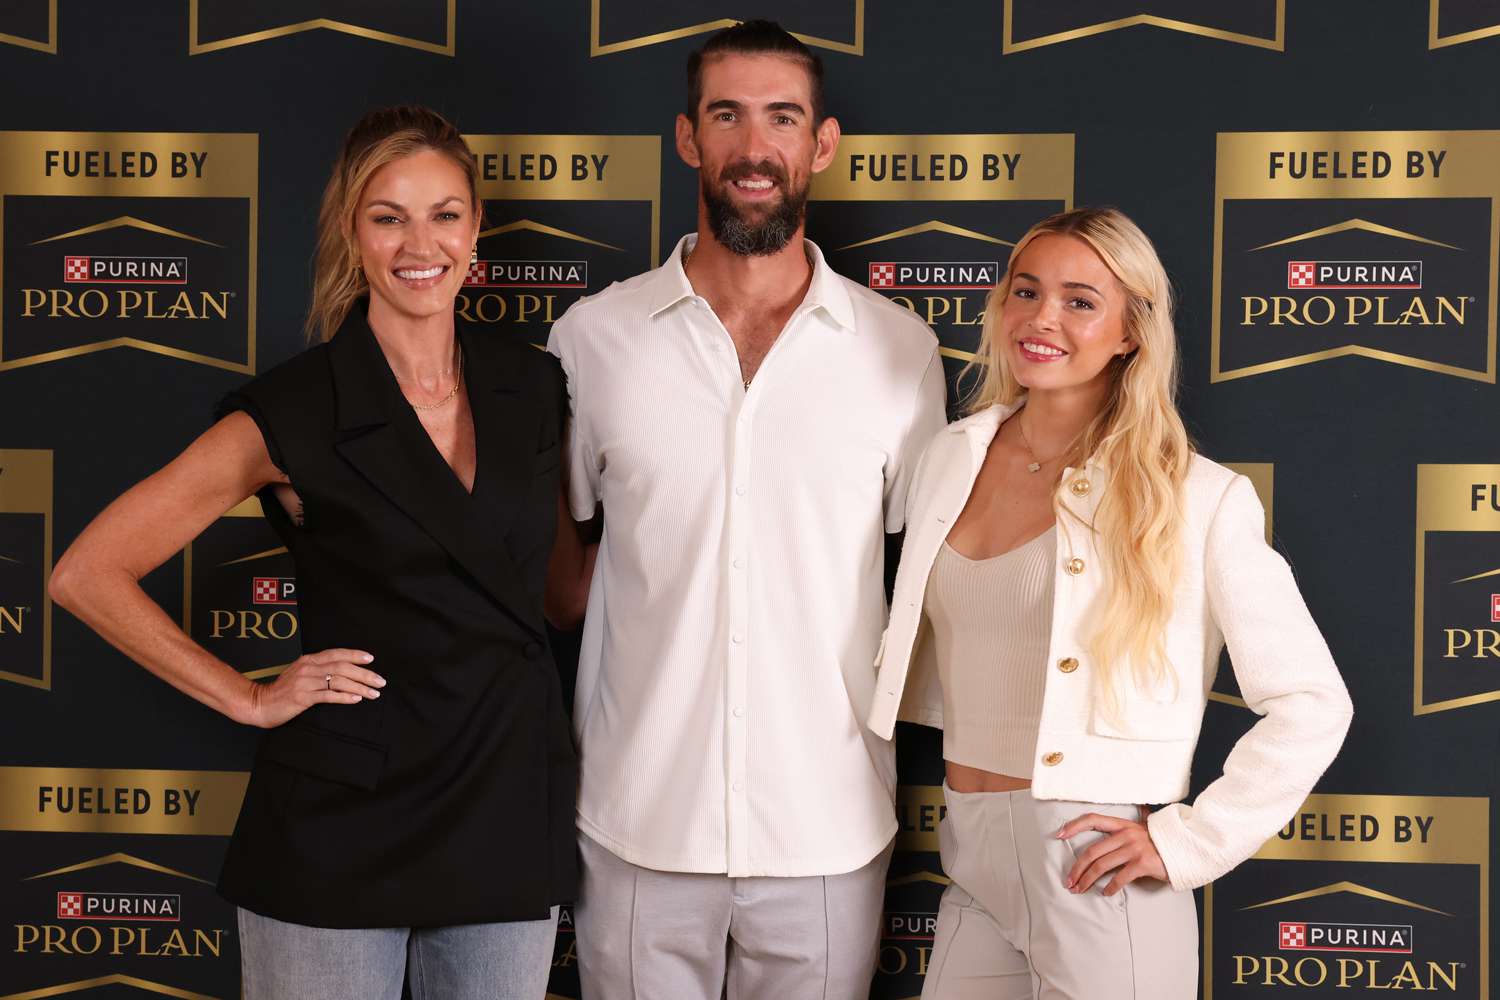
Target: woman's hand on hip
[1126, 849]
[337, 676]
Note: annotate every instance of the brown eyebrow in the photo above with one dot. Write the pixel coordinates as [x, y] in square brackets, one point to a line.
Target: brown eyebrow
[727, 105]
[401, 208]
[1066, 284]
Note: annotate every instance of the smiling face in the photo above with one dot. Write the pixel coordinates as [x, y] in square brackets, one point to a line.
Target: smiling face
[1063, 321]
[414, 229]
[755, 149]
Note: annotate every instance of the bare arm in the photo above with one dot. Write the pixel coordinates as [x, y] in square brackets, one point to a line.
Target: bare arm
[98, 579]
[571, 568]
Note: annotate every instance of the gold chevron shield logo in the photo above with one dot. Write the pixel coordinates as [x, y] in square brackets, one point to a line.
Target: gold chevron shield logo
[527, 225]
[1130, 18]
[117, 858]
[1361, 225]
[599, 47]
[1352, 888]
[197, 46]
[1458, 34]
[38, 10]
[113, 979]
[125, 222]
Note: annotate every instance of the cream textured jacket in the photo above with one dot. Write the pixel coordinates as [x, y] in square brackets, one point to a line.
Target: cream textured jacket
[1234, 588]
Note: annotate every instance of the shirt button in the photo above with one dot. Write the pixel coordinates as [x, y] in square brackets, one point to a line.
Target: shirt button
[739, 491]
[738, 564]
[1052, 759]
[1074, 566]
[736, 638]
[1080, 487]
[739, 786]
[1067, 665]
[739, 713]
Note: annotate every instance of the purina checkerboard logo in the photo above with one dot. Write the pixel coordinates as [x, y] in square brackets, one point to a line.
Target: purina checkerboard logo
[575, 213]
[159, 907]
[936, 275]
[1387, 938]
[1342, 274]
[926, 220]
[240, 593]
[98, 229]
[1357, 894]
[125, 270]
[1372, 245]
[528, 274]
[1457, 610]
[273, 590]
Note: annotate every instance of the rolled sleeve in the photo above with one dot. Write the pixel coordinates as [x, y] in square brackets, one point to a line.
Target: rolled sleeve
[928, 416]
[582, 459]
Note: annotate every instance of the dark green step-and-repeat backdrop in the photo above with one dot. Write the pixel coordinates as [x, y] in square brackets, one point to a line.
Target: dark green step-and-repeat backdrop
[1321, 177]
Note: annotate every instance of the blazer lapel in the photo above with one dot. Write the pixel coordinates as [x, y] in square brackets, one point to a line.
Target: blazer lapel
[506, 429]
[383, 440]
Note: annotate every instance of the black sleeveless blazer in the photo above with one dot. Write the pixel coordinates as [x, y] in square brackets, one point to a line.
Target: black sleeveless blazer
[449, 799]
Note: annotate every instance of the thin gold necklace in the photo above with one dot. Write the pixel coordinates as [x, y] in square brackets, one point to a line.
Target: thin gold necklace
[458, 379]
[1035, 465]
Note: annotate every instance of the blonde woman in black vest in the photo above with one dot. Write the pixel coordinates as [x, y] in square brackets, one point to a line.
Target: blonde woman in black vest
[410, 815]
[1070, 573]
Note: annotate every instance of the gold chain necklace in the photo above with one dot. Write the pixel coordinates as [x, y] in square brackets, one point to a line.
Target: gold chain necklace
[458, 379]
[1035, 465]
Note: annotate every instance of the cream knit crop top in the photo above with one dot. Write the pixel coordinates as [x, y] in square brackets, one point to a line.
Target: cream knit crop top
[991, 622]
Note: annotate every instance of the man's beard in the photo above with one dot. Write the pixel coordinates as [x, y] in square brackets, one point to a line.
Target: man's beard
[751, 238]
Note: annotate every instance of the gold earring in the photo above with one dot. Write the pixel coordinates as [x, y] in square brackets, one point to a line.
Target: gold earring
[474, 255]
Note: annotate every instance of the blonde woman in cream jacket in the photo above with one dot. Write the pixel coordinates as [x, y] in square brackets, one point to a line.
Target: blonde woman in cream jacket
[1070, 573]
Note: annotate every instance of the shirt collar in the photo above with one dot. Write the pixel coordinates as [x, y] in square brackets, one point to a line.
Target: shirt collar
[826, 291]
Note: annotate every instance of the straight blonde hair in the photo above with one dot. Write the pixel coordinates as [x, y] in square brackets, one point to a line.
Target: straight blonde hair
[379, 138]
[1137, 437]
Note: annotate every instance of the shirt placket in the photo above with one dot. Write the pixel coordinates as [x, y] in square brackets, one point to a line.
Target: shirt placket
[741, 410]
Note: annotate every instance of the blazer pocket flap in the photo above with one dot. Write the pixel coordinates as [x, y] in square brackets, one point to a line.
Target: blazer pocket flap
[547, 458]
[327, 755]
[1141, 718]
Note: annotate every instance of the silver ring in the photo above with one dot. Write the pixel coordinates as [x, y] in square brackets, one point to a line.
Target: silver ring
[328, 681]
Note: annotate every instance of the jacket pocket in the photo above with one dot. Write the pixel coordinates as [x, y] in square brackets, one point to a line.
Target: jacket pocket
[321, 753]
[1148, 715]
[547, 459]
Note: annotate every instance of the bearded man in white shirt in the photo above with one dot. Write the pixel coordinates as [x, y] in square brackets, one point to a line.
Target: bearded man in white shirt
[749, 420]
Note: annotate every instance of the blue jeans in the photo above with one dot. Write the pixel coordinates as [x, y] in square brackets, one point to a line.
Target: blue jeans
[500, 961]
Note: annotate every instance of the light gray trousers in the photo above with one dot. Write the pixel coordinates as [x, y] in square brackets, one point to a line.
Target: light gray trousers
[1008, 930]
[652, 935]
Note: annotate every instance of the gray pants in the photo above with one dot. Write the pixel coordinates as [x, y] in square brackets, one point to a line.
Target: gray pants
[500, 961]
[650, 935]
[1008, 930]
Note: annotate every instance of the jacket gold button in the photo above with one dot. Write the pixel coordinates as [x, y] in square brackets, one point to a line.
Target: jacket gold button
[1079, 487]
[1067, 665]
[1052, 759]
[1074, 566]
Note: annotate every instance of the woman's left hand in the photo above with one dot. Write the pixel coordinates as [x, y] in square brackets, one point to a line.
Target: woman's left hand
[1126, 850]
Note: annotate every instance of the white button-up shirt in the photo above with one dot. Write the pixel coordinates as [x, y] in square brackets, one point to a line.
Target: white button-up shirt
[738, 597]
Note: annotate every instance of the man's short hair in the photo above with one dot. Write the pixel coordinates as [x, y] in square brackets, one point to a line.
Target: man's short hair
[755, 38]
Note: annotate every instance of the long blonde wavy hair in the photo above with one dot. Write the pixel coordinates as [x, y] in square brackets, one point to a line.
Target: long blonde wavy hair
[380, 137]
[1137, 436]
